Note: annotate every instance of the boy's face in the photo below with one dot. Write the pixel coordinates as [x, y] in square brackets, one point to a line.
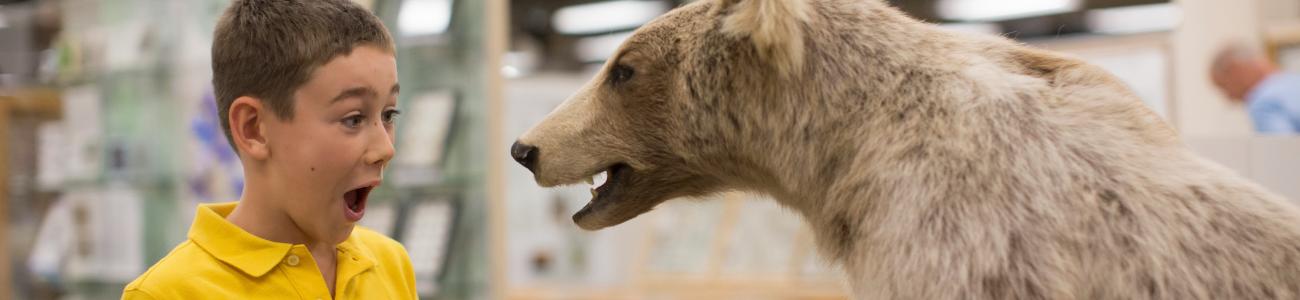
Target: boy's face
[326, 160]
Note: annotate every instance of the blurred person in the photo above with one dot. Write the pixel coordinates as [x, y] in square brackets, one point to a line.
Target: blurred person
[1271, 96]
[306, 92]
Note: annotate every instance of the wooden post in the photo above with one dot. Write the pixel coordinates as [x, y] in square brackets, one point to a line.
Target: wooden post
[497, 37]
[39, 103]
[6, 279]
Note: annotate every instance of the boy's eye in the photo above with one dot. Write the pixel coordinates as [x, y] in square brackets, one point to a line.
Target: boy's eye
[353, 121]
[390, 116]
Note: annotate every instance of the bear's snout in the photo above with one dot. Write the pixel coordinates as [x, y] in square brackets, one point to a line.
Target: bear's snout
[526, 155]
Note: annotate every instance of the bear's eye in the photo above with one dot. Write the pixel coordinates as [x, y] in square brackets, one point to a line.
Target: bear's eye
[620, 73]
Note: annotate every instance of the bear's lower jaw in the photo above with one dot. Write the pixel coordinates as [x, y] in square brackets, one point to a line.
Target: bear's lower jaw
[584, 219]
[609, 205]
[598, 214]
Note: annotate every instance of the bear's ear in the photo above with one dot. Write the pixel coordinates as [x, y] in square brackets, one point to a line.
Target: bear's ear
[775, 27]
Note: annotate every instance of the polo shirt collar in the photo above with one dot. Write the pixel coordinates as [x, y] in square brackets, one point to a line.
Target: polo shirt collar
[352, 258]
[228, 243]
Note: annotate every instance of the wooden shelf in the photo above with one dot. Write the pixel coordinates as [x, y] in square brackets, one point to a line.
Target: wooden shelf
[42, 103]
[1279, 35]
[1283, 31]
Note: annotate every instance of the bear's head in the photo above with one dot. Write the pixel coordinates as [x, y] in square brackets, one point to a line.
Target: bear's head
[669, 107]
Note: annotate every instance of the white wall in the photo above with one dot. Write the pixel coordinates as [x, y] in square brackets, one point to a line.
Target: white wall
[1200, 110]
[1141, 61]
[1271, 161]
[1279, 10]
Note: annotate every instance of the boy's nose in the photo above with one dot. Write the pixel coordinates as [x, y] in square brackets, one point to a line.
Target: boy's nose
[382, 151]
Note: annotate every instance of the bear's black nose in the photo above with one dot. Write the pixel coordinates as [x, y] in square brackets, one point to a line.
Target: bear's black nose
[524, 154]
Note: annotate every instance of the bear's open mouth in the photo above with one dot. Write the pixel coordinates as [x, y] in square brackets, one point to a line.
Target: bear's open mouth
[608, 189]
[607, 181]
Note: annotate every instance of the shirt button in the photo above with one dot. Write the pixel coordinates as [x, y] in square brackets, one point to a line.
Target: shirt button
[292, 260]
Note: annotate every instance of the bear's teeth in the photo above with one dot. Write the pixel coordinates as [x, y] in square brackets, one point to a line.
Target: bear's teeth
[593, 193]
[591, 179]
[600, 178]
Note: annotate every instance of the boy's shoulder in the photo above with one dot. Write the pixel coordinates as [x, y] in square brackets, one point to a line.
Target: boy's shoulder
[389, 256]
[186, 268]
[367, 235]
[381, 246]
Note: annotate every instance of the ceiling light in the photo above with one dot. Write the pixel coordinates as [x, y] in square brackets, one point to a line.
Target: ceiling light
[421, 17]
[601, 17]
[599, 48]
[997, 10]
[1134, 19]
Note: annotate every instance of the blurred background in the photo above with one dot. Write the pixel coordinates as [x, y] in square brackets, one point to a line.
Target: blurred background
[109, 140]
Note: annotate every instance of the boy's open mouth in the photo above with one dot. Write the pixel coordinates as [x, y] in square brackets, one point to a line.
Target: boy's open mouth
[355, 202]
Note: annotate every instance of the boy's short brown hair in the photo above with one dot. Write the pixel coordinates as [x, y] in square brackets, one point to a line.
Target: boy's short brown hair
[269, 48]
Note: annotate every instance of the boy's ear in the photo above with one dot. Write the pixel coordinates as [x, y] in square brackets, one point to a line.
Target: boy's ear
[246, 128]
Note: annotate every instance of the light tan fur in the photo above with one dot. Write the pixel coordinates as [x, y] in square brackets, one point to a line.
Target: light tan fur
[931, 165]
[775, 27]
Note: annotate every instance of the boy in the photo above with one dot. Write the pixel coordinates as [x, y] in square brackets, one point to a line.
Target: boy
[307, 93]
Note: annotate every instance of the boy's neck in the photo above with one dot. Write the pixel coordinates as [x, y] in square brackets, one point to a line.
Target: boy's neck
[267, 222]
[255, 216]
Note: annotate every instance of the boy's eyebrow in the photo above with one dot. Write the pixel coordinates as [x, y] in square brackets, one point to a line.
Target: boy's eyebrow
[358, 92]
[364, 92]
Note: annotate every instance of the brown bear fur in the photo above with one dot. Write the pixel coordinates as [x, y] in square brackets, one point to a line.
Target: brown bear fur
[931, 165]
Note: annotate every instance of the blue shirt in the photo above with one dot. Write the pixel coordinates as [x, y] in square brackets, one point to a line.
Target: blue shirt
[1274, 104]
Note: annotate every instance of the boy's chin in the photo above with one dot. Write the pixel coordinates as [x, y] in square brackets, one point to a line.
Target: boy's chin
[339, 234]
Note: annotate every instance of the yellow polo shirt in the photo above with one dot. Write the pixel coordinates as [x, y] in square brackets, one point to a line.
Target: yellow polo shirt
[222, 261]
